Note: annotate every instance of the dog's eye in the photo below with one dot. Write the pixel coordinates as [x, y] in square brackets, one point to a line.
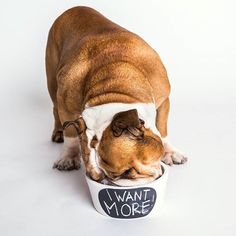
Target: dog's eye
[126, 173]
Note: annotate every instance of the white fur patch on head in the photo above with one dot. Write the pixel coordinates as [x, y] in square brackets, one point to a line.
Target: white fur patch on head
[97, 118]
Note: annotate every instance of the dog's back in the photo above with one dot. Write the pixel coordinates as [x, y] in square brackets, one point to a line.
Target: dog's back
[79, 22]
[83, 42]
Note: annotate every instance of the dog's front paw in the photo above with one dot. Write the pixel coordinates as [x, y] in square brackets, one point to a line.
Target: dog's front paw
[67, 164]
[174, 157]
[172, 154]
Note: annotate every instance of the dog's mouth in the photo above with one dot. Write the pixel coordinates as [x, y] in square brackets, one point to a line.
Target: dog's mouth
[131, 176]
[126, 181]
[127, 178]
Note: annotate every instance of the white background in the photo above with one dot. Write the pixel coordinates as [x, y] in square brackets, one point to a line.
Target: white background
[196, 41]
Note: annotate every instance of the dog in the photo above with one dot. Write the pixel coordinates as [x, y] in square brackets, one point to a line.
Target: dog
[110, 94]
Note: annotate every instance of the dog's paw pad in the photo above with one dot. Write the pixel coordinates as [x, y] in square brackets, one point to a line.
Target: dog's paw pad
[178, 158]
[57, 136]
[171, 158]
[67, 164]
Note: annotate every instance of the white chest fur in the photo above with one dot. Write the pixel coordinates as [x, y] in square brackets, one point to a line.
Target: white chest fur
[97, 118]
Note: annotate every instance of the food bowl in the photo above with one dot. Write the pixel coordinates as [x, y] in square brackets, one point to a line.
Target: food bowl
[129, 202]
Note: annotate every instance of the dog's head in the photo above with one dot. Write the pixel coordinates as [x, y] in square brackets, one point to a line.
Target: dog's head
[129, 150]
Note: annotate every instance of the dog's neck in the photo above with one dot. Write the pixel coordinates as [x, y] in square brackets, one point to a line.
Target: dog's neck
[97, 118]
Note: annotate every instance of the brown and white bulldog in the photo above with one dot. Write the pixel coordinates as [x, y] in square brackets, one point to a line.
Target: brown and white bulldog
[114, 87]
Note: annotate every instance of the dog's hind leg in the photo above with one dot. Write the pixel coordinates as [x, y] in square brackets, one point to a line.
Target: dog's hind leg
[52, 60]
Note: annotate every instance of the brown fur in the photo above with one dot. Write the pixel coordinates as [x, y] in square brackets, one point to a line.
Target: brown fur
[91, 60]
[143, 148]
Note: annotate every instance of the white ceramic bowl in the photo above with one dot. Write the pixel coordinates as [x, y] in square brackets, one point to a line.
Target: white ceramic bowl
[129, 202]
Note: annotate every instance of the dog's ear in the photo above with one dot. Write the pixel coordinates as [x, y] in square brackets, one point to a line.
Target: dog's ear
[129, 123]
